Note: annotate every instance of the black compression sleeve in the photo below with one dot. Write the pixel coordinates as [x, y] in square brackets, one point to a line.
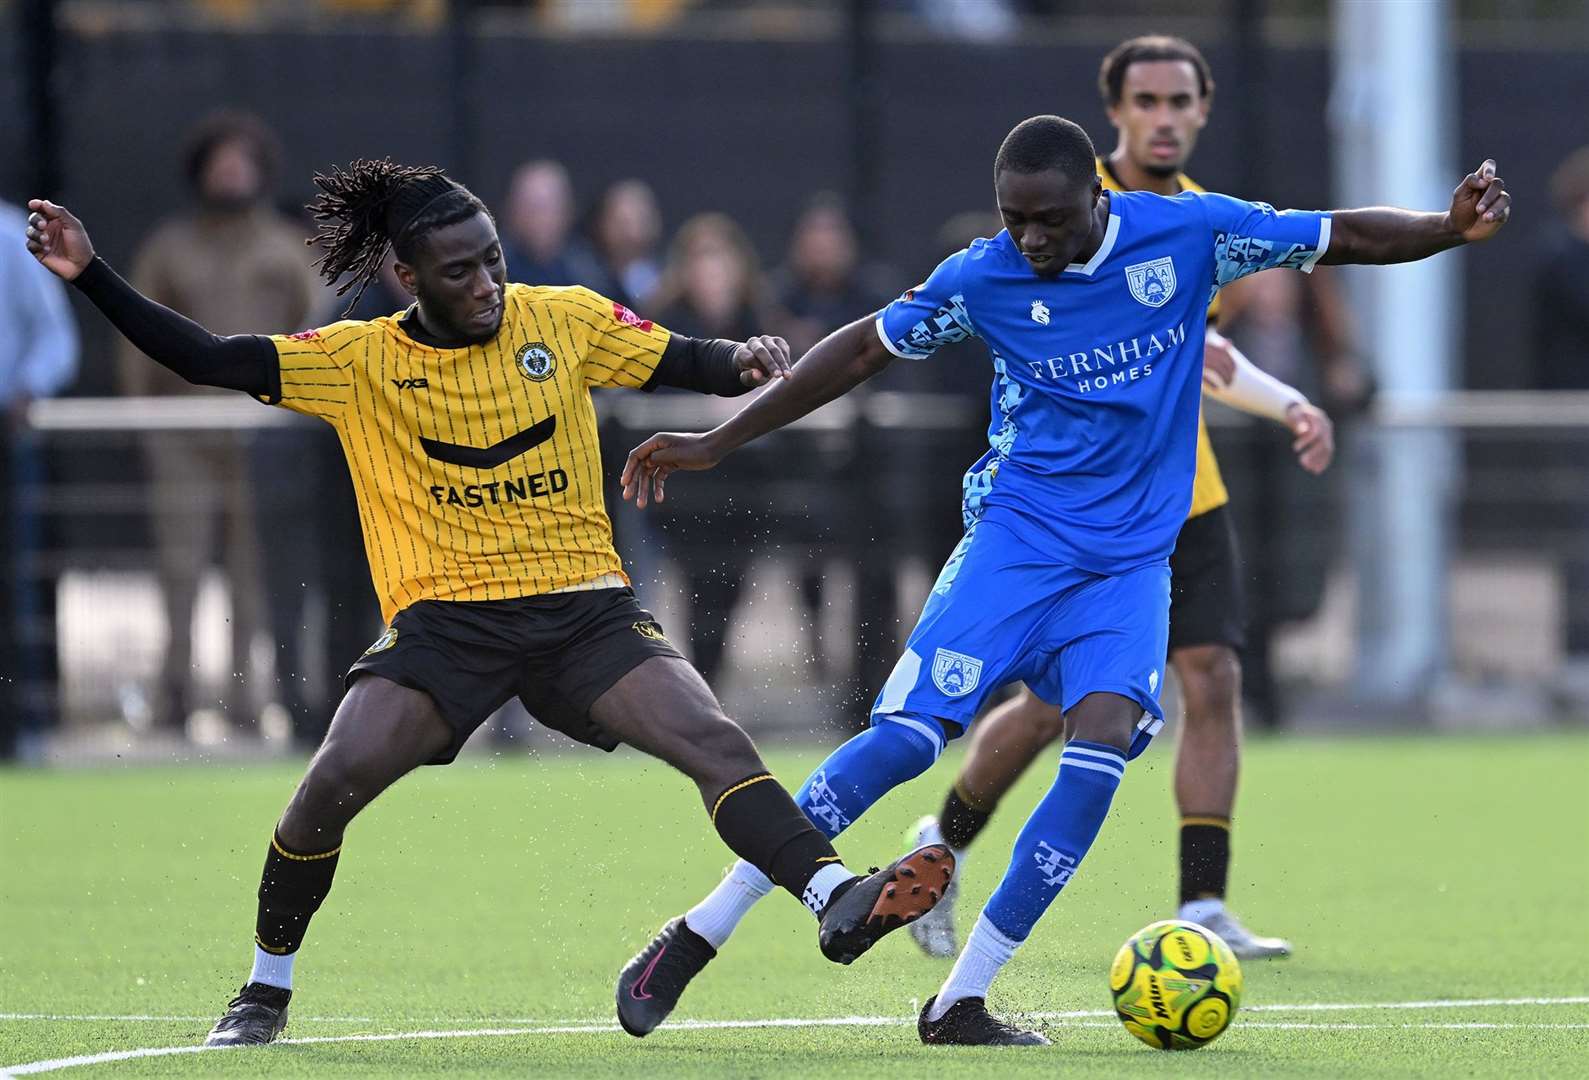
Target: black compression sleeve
[705, 365]
[245, 362]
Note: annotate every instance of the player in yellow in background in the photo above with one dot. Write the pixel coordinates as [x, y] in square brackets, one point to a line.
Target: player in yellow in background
[468, 427]
[1158, 91]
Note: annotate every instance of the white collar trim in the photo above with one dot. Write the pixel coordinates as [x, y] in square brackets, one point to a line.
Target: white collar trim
[1103, 251]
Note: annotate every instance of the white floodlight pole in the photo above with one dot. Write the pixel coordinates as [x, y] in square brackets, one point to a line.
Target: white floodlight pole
[1392, 113]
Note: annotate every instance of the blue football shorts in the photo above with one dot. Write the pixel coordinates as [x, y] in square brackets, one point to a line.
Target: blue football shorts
[1003, 611]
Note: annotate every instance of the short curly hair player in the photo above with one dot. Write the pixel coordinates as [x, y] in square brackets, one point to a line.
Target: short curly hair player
[1062, 580]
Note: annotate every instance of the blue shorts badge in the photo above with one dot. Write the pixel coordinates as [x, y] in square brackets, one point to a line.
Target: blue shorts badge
[956, 674]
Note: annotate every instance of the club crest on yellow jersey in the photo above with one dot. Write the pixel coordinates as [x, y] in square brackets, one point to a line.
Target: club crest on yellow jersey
[536, 362]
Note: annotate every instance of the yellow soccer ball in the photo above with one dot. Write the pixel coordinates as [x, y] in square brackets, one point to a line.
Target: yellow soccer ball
[1176, 985]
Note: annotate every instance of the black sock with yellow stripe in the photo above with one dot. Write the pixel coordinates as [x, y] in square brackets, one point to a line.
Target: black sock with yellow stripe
[1205, 858]
[759, 821]
[291, 890]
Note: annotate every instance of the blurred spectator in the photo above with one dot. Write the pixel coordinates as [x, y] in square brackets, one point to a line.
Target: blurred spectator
[38, 357]
[1561, 357]
[712, 286]
[823, 285]
[536, 236]
[1561, 284]
[626, 227]
[919, 468]
[236, 266]
[321, 605]
[959, 380]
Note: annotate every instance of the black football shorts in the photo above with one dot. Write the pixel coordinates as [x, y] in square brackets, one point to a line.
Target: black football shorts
[557, 653]
[1207, 606]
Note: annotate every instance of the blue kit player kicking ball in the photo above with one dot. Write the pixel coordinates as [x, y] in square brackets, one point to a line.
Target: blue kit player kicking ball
[1092, 304]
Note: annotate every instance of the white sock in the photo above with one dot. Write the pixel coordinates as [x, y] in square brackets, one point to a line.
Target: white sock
[272, 970]
[1200, 911]
[986, 951]
[933, 834]
[715, 917]
[820, 888]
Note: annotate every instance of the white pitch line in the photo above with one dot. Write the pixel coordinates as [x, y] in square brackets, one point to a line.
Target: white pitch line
[169, 1018]
[1440, 1003]
[1072, 1014]
[1435, 1026]
[56, 1064]
[129, 1018]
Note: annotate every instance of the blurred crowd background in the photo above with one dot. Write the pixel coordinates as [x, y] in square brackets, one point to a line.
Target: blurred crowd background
[187, 569]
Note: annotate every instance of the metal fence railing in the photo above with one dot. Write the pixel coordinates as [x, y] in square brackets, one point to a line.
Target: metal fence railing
[869, 481]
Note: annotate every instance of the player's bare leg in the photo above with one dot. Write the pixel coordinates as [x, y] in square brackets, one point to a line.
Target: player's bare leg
[1207, 764]
[381, 732]
[1003, 745]
[665, 708]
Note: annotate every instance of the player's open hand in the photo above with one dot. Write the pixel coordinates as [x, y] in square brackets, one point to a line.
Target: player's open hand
[1315, 436]
[650, 463]
[762, 359]
[57, 239]
[1480, 205]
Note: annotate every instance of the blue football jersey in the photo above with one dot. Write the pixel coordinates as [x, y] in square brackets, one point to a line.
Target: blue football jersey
[1097, 371]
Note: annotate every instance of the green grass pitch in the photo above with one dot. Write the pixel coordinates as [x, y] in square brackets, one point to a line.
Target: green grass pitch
[500, 896]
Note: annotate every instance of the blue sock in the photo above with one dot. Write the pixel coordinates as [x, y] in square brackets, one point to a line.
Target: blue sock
[865, 769]
[1056, 837]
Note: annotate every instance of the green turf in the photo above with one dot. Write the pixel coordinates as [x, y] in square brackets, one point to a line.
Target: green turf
[504, 893]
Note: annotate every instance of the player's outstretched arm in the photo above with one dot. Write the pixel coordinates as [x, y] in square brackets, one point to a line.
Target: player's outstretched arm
[244, 362]
[1379, 235]
[1231, 378]
[720, 367]
[842, 360]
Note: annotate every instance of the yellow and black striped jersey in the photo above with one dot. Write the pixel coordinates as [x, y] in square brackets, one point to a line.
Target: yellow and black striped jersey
[477, 469]
[1208, 487]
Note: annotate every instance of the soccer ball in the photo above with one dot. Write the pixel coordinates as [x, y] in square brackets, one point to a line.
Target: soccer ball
[1176, 985]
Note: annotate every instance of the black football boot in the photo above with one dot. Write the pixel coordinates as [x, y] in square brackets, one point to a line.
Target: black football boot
[968, 1023]
[867, 909]
[649, 985]
[254, 1017]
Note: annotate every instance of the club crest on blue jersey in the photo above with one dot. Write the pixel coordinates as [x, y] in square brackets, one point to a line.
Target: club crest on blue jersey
[1152, 282]
[956, 674]
[1040, 313]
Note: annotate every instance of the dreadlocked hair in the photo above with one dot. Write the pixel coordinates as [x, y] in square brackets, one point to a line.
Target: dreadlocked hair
[375, 206]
